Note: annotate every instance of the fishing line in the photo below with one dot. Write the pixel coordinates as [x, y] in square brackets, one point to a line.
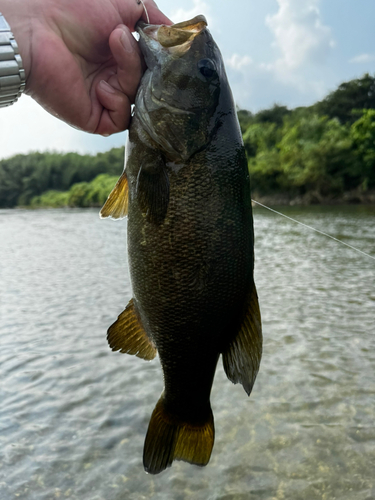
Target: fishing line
[313, 229]
[144, 6]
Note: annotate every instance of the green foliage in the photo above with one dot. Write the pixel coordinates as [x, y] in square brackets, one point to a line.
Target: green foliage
[314, 153]
[260, 137]
[23, 177]
[93, 194]
[266, 171]
[245, 118]
[82, 194]
[311, 153]
[100, 188]
[348, 98]
[52, 199]
[325, 149]
[363, 135]
[276, 115]
[78, 195]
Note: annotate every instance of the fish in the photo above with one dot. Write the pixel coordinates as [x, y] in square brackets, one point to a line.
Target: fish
[186, 192]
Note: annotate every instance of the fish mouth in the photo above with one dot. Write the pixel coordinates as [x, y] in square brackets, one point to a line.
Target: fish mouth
[176, 36]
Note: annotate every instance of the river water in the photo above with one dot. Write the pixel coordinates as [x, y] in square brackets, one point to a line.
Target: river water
[73, 414]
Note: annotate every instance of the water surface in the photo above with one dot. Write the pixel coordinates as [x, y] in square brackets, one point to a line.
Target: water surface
[73, 415]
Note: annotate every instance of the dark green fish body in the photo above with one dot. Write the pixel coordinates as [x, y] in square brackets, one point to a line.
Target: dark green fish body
[190, 239]
[191, 274]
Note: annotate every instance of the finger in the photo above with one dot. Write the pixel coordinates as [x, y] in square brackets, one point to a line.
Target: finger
[116, 112]
[127, 55]
[155, 15]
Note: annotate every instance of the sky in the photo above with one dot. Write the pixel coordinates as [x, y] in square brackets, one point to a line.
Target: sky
[289, 52]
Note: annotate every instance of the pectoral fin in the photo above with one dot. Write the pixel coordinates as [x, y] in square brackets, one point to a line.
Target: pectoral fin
[241, 359]
[116, 205]
[153, 190]
[128, 335]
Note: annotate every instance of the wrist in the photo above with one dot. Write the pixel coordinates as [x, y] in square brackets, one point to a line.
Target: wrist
[16, 15]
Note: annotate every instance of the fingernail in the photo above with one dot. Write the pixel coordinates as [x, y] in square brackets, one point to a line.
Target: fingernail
[106, 87]
[127, 41]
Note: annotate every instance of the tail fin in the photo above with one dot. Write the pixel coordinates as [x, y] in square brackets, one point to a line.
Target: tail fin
[168, 438]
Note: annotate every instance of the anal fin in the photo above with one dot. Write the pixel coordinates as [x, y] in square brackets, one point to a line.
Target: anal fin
[169, 438]
[128, 335]
[116, 205]
[242, 357]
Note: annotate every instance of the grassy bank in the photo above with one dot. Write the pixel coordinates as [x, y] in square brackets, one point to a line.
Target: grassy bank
[82, 194]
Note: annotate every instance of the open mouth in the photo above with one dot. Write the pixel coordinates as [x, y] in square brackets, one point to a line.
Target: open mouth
[175, 35]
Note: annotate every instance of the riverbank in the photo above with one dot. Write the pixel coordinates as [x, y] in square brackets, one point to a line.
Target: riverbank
[81, 199]
[353, 197]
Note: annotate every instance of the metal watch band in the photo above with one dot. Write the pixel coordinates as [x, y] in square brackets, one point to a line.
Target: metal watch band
[12, 74]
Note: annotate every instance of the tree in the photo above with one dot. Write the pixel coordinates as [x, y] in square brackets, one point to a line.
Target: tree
[315, 154]
[245, 118]
[363, 135]
[23, 177]
[276, 115]
[260, 137]
[344, 102]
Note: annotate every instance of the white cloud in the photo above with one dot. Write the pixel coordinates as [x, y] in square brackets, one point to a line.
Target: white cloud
[238, 62]
[199, 7]
[362, 58]
[300, 34]
[301, 42]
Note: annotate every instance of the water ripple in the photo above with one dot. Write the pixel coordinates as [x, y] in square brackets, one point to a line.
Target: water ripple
[73, 415]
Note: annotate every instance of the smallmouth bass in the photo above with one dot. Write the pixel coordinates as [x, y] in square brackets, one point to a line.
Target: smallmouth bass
[186, 191]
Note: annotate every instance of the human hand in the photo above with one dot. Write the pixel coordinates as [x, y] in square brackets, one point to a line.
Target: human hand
[81, 61]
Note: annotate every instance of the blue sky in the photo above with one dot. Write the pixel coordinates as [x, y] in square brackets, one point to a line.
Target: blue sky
[289, 52]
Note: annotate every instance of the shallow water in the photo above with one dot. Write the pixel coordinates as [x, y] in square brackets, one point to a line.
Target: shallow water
[73, 415]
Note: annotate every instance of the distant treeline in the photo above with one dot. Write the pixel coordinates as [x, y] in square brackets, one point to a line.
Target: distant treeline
[325, 149]
[25, 177]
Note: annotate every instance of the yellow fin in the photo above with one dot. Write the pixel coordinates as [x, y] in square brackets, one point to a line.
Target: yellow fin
[128, 335]
[195, 443]
[241, 359]
[116, 205]
[168, 438]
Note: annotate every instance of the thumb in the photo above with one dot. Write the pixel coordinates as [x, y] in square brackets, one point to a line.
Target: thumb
[128, 57]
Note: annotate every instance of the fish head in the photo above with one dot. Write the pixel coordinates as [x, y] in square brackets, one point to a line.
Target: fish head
[180, 90]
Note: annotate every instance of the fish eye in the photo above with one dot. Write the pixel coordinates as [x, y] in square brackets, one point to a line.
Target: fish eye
[207, 67]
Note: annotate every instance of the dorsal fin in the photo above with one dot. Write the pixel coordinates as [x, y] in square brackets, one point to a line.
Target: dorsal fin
[116, 205]
[128, 335]
[242, 357]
